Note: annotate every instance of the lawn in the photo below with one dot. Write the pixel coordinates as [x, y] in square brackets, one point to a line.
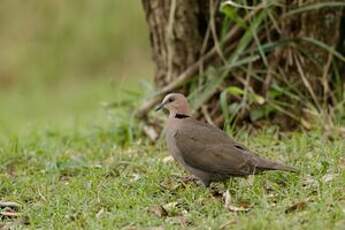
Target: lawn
[71, 161]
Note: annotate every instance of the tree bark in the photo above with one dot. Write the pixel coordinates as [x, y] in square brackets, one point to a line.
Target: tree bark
[323, 25]
[177, 29]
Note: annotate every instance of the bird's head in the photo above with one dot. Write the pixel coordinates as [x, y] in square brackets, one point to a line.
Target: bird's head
[176, 103]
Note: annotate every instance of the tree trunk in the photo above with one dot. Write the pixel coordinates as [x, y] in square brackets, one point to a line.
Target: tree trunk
[323, 25]
[177, 29]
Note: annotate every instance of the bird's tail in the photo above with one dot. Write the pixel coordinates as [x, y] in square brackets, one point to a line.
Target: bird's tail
[264, 164]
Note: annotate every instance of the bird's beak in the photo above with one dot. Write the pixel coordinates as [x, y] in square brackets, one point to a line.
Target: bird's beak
[160, 106]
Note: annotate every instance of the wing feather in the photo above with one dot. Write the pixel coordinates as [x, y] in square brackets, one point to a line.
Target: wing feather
[209, 149]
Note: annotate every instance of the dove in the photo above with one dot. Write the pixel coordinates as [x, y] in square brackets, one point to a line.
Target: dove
[206, 151]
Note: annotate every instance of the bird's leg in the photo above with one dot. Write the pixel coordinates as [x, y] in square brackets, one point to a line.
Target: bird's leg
[249, 180]
[196, 180]
[205, 183]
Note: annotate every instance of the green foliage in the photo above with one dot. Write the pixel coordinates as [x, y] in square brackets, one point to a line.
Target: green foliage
[250, 67]
[73, 157]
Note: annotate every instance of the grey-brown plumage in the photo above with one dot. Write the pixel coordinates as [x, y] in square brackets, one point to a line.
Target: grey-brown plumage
[206, 151]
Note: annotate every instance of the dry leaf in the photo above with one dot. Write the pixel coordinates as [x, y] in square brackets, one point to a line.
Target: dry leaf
[151, 133]
[341, 163]
[230, 207]
[296, 207]
[135, 177]
[158, 210]
[170, 184]
[9, 204]
[8, 212]
[182, 220]
[99, 213]
[328, 177]
[306, 124]
[170, 206]
[309, 181]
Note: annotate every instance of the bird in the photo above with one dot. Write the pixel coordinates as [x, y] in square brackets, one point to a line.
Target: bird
[206, 151]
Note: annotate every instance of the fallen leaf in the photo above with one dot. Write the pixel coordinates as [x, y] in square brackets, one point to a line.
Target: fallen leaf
[9, 213]
[341, 163]
[309, 181]
[99, 213]
[158, 211]
[170, 184]
[306, 124]
[151, 133]
[135, 177]
[9, 204]
[182, 220]
[230, 207]
[328, 177]
[64, 178]
[298, 206]
[170, 206]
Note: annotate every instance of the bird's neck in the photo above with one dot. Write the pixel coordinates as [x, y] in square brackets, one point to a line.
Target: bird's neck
[178, 115]
[181, 116]
[182, 111]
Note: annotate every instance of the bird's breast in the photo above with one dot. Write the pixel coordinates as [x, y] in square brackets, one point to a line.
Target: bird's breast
[172, 145]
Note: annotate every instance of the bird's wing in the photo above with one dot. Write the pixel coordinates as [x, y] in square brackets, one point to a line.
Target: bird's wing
[207, 148]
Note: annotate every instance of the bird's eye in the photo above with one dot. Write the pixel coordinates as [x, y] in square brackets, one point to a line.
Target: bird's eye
[171, 99]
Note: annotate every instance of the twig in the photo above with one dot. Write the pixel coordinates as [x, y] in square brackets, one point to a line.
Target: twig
[269, 76]
[9, 204]
[306, 83]
[207, 115]
[169, 37]
[214, 32]
[204, 48]
[324, 79]
[192, 70]
[234, 4]
[9, 214]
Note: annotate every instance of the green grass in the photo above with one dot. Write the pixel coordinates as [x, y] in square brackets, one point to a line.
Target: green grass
[72, 164]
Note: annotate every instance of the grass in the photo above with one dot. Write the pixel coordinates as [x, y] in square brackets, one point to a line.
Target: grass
[75, 168]
[72, 163]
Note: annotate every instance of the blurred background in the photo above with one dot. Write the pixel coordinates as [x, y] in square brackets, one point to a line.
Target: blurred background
[60, 60]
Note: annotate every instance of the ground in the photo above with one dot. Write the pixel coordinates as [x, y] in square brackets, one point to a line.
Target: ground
[72, 163]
